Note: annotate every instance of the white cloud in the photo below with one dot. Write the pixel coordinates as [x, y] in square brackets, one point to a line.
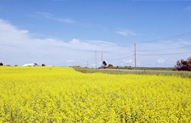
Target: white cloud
[75, 41]
[161, 60]
[70, 61]
[45, 14]
[52, 17]
[66, 20]
[127, 61]
[18, 47]
[126, 32]
[24, 31]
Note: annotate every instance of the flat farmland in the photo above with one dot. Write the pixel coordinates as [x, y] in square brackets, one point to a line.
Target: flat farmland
[61, 94]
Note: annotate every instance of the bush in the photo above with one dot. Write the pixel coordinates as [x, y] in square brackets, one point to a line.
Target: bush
[1, 64]
[102, 67]
[110, 66]
[104, 64]
[184, 65]
[35, 64]
[43, 65]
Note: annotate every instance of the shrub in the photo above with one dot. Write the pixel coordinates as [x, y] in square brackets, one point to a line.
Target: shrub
[110, 66]
[1, 64]
[184, 65]
[43, 65]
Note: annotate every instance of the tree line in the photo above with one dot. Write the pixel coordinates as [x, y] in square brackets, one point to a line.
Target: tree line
[1, 64]
[181, 65]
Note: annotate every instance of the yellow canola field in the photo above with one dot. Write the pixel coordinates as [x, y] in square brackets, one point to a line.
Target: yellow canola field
[60, 94]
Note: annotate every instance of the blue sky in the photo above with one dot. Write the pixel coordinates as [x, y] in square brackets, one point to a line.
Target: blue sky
[68, 32]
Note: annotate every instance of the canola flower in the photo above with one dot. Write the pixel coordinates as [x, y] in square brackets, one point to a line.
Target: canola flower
[60, 94]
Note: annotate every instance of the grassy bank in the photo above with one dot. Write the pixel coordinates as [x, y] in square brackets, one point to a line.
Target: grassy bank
[145, 72]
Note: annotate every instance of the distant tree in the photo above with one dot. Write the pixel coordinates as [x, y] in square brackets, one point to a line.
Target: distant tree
[104, 64]
[35, 64]
[183, 65]
[110, 66]
[43, 65]
[1, 64]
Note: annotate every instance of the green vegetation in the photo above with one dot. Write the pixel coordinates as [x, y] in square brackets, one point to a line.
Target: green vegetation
[147, 71]
[144, 68]
[184, 65]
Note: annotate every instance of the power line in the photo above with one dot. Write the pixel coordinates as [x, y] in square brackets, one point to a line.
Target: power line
[166, 49]
[121, 57]
[164, 54]
[178, 35]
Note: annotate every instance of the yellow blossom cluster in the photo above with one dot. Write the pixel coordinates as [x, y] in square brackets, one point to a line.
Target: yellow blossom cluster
[61, 94]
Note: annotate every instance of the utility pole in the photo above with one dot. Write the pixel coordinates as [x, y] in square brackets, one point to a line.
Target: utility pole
[87, 63]
[135, 56]
[95, 59]
[101, 57]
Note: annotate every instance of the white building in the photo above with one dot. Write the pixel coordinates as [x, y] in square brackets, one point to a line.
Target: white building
[30, 65]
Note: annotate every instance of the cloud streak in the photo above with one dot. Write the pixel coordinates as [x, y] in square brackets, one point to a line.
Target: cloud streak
[52, 17]
[126, 32]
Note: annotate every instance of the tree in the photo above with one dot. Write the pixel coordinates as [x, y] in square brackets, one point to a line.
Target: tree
[104, 64]
[43, 65]
[1, 64]
[183, 65]
[110, 66]
[35, 64]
